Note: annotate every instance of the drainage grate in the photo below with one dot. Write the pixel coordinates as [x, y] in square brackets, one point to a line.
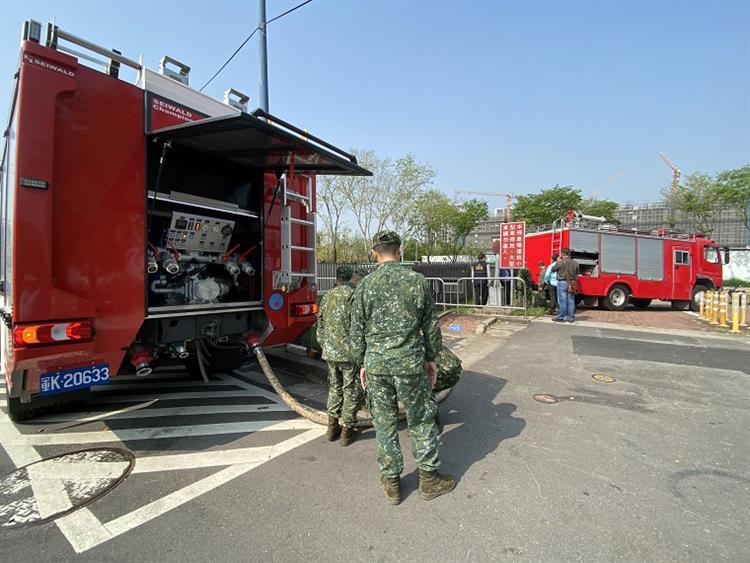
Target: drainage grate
[49, 488]
[545, 398]
[603, 378]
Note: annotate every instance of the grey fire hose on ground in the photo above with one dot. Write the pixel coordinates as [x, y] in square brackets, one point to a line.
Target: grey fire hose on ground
[309, 413]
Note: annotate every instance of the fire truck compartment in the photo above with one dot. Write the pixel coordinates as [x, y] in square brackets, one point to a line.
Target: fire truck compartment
[252, 141]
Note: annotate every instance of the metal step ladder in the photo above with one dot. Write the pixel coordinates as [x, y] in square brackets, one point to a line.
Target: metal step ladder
[287, 278]
[557, 228]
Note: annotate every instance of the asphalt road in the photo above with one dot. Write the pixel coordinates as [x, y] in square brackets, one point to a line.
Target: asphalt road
[652, 467]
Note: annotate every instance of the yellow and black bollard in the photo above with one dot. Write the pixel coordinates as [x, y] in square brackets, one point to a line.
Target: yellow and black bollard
[702, 303]
[709, 303]
[743, 308]
[736, 312]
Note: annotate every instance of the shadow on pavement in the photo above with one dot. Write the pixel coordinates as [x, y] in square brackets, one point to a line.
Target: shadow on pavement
[482, 423]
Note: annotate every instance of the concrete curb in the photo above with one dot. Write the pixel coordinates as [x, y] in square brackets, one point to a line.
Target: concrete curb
[484, 325]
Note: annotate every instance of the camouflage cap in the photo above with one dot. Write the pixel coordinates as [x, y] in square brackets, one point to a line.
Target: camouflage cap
[386, 237]
[344, 273]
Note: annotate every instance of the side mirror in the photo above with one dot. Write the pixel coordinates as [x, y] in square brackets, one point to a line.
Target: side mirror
[726, 255]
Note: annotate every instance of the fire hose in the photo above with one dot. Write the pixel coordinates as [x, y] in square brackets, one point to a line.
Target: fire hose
[311, 414]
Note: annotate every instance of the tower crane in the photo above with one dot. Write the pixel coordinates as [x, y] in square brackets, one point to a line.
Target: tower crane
[606, 183]
[508, 212]
[675, 171]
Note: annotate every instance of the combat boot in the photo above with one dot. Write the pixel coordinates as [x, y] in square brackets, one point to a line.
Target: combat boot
[333, 428]
[392, 489]
[348, 435]
[432, 484]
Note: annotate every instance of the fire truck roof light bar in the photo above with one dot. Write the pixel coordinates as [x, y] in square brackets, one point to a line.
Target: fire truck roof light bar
[54, 34]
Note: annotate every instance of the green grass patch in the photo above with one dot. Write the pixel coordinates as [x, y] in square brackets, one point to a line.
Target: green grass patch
[735, 282]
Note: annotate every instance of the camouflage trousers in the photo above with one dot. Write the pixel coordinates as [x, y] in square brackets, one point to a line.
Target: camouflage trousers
[344, 392]
[383, 394]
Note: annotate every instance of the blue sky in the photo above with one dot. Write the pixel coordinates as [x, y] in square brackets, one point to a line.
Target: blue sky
[497, 96]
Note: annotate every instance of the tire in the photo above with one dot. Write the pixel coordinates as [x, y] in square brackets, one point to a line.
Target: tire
[680, 305]
[617, 298]
[694, 305]
[19, 411]
[640, 303]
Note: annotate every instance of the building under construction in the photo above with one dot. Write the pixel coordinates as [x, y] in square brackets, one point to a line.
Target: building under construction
[727, 225]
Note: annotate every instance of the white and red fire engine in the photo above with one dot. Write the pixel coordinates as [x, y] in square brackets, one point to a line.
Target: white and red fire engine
[145, 221]
[625, 266]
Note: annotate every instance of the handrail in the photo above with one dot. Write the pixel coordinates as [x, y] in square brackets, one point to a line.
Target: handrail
[54, 34]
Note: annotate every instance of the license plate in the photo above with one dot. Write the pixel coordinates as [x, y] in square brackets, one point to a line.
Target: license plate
[66, 380]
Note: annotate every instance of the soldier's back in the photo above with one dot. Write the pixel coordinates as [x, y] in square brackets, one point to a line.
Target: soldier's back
[393, 299]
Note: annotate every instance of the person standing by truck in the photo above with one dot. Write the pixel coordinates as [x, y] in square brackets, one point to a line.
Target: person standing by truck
[567, 272]
[550, 280]
[396, 338]
[333, 335]
[479, 269]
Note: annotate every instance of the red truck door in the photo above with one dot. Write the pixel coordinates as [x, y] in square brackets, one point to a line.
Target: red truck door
[682, 272]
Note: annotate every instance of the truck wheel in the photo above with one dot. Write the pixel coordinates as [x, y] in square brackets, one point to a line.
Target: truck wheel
[694, 305]
[617, 298]
[680, 305]
[639, 303]
[17, 410]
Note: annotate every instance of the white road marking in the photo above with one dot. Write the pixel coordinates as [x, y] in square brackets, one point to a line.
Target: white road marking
[169, 411]
[129, 434]
[116, 385]
[185, 395]
[3, 403]
[78, 470]
[82, 528]
[101, 416]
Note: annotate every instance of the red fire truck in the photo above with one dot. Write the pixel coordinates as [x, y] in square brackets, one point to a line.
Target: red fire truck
[626, 266]
[144, 222]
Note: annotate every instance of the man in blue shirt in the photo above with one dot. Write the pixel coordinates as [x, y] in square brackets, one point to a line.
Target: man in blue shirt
[550, 280]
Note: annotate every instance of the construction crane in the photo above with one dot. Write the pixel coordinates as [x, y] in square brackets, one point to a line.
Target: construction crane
[606, 183]
[675, 171]
[507, 212]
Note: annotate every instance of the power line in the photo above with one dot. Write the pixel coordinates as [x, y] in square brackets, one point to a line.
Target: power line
[229, 60]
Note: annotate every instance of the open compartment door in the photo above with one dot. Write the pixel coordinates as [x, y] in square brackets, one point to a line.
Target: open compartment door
[262, 141]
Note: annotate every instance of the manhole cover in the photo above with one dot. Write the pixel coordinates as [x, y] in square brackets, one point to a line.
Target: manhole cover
[545, 398]
[603, 378]
[49, 488]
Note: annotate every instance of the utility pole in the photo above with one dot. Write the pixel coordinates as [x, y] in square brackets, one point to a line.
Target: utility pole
[263, 56]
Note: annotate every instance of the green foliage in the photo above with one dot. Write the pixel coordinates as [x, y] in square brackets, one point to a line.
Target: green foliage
[697, 199]
[551, 204]
[735, 282]
[733, 187]
[445, 224]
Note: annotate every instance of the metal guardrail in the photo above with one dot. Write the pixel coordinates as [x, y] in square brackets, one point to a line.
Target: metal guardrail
[509, 292]
[502, 293]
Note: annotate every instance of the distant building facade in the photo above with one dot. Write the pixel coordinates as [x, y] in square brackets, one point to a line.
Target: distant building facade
[728, 226]
[481, 236]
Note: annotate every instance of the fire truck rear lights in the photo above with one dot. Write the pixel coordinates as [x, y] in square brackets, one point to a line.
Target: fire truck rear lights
[306, 309]
[33, 183]
[50, 333]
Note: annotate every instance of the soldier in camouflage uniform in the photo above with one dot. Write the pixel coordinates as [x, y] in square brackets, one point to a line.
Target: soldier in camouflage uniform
[395, 337]
[343, 382]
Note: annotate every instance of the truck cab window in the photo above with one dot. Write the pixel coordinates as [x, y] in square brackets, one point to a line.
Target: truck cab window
[681, 257]
[711, 254]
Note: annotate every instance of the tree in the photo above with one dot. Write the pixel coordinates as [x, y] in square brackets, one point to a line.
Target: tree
[733, 187]
[696, 198]
[385, 199]
[431, 218]
[463, 219]
[600, 208]
[330, 194]
[549, 205]
[546, 206]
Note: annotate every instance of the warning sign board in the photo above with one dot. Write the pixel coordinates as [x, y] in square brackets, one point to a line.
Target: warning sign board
[512, 240]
